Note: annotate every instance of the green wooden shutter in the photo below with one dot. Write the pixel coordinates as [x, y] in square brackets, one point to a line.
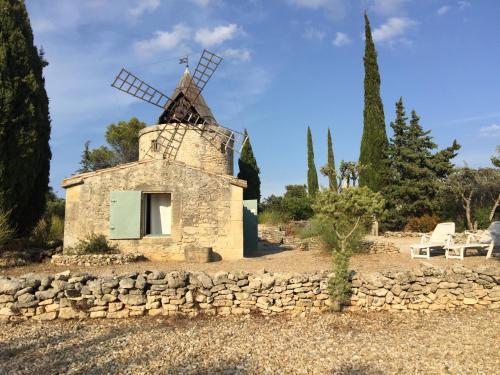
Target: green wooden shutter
[125, 215]
[250, 236]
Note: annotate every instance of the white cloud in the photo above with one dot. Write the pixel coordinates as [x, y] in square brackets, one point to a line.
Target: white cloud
[463, 5]
[443, 10]
[163, 40]
[336, 8]
[393, 29]
[143, 6]
[490, 131]
[242, 55]
[216, 36]
[341, 39]
[312, 33]
[388, 7]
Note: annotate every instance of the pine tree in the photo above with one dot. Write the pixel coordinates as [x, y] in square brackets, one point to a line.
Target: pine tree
[332, 174]
[415, 171]
[372, 156]
[312, 175]
[249, 171]
[24, 120]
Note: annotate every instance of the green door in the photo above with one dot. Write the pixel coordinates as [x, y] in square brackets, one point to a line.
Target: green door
[125, 215]
[250, 237]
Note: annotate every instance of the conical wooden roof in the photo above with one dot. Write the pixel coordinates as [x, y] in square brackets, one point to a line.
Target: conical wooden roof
[188, 88]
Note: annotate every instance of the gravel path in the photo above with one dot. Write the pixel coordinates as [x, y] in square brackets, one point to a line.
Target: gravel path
[461, 342]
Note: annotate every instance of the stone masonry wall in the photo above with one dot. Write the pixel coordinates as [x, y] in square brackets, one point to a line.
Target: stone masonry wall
[207, 209]
[194, 150]
[95, 259]
[80, 295]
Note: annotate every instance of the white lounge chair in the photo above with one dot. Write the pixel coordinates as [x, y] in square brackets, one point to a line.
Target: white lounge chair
[487, 241]
[439, 238]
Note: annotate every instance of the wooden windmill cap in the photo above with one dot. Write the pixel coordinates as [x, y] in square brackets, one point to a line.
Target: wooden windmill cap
[188, 88]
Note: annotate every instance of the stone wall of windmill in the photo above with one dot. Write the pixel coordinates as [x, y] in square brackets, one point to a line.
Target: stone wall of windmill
[195, 150]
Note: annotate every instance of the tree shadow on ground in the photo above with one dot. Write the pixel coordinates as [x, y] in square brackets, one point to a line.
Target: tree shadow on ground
[267, 248]
[356, 369]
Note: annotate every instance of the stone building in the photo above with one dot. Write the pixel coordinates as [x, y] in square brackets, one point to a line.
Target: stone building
[157, 206]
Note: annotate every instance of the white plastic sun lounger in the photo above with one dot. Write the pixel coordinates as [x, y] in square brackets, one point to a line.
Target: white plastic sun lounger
[488, 241]
[440, 238]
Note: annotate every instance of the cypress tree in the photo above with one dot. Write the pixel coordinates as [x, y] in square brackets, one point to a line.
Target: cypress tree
[24, 120]
[312, 175]
[332, 174]
[372, 156]
[249, 171]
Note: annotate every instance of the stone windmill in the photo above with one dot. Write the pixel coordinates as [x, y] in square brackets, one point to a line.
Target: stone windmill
[185, 116]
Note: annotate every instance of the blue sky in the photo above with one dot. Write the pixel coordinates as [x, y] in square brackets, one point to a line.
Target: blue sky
[288, 64]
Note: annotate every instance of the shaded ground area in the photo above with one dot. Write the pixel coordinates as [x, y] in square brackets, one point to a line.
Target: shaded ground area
[275, 259]
[461, 342]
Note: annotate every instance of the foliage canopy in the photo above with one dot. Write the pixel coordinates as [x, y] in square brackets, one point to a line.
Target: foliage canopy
[24, 120]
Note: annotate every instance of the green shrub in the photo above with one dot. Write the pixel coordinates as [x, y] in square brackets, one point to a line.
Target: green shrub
[6, 231]
[273, 217]
[295, 204]
[424, 224]
[343, 219]
[48, 232]
[56, 232]
[93, 244]
[40, 234]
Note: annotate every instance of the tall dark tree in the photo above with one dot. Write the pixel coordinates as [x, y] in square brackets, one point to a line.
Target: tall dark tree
[312, 175]
[415, 169]
[330, 165]
[374, 140]
[24, 120]
[249, 171]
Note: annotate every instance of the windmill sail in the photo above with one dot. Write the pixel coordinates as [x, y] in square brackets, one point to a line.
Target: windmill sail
[186, 106]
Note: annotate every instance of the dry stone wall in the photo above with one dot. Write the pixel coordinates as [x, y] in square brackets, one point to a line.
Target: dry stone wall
[80, 295]
[95, 259]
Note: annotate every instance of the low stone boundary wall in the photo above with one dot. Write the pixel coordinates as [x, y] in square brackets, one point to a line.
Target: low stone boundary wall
[380, 247]
[403, 234]
[81, 295]
[278, 236]
[95, 259]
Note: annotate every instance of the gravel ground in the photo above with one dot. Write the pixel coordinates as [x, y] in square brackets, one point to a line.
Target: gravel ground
[275, 260]
[461, 342]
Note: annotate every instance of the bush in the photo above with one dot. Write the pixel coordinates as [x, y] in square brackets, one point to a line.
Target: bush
[48, 233]
[6, 231]
[424, 224]
[273, 217]
[343, 219]
[295, 204]
[93, 244]
[56, 232]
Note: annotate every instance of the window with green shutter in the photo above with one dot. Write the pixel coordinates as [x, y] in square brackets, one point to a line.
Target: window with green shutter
[125, 215]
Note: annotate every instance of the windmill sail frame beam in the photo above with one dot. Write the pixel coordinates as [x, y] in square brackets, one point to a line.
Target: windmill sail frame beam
[180, 112]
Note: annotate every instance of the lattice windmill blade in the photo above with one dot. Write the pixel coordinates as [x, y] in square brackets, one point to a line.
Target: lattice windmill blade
[218, 135]
[133, 85]
[206, 67]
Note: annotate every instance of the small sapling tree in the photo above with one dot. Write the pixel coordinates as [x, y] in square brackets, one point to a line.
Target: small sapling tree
[345, 218]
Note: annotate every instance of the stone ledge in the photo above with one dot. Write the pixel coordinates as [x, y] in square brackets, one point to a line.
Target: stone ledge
[80, 295]
[95, 259]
